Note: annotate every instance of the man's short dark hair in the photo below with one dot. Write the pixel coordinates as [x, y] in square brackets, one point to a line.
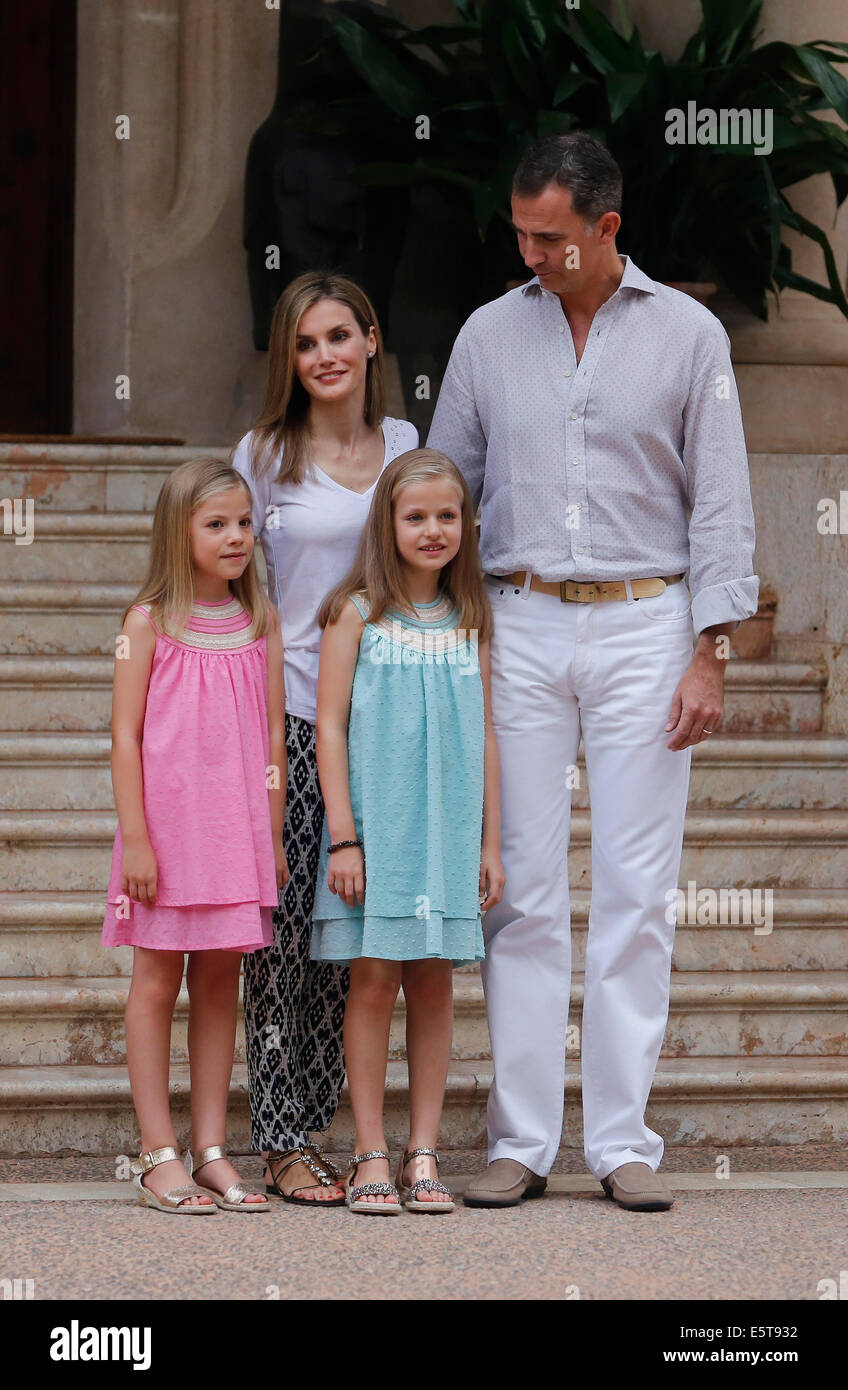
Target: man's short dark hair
[577, 162]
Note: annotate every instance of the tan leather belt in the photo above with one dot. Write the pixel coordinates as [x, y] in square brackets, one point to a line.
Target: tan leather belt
[590, 591]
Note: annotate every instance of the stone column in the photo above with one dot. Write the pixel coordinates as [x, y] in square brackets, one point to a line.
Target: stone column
[160, 286]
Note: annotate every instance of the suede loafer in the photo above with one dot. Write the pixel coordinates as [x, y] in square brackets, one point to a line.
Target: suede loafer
[505, 1183]
[636, 1187]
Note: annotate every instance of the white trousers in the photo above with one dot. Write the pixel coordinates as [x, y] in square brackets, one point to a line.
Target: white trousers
[608, 671]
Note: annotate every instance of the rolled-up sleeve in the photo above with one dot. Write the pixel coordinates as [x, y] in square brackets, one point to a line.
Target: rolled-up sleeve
[721, 525]
[456, 429]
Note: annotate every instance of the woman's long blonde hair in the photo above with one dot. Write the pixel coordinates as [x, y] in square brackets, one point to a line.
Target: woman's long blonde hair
[377, 567]
[169, 585]
[283, 423]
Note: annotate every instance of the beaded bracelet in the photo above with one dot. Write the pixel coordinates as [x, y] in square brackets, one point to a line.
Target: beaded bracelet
[342, 844]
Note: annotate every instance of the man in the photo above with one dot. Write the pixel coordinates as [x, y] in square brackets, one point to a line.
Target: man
[595, 413]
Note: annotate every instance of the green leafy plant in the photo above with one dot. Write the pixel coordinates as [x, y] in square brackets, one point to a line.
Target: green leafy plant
[508, 72]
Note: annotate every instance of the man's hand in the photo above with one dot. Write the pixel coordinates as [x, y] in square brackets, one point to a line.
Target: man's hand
[698, 701]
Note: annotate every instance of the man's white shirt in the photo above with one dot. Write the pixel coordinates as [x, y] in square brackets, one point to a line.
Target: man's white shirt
[627, 464]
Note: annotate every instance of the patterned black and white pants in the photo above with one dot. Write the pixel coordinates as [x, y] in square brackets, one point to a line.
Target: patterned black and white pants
[294, 1006]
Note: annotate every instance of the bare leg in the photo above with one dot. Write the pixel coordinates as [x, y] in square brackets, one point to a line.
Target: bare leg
[428, 990]
[374, 986]
[212, 978]
[150, 1009]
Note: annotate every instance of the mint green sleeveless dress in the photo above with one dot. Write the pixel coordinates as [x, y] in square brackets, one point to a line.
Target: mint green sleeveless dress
[415, 750]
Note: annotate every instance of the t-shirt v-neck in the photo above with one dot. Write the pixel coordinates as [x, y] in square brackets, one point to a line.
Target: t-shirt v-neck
[333, 482]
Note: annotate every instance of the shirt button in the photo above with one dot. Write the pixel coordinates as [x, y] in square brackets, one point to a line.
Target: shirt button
[576, 463]
[581, 550]
[562, 329]
[574, 415]
[567, 373]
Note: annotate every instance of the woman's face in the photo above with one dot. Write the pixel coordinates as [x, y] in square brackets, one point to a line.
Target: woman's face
[331, 351]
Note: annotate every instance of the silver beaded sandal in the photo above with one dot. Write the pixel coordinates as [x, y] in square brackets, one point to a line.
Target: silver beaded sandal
[176, 1198]
[235, 1197]
[408, 1195]
[376, 1189]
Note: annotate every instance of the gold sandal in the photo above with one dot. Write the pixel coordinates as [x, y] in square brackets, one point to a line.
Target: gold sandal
[173, 1200]
[408, 1195]
[235, 1197]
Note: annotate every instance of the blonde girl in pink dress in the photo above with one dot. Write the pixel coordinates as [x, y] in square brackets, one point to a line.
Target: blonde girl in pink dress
[199, 776]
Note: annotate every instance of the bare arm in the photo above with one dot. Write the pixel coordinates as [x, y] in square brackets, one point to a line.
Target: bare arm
[277, 745]
[133, 660]
[492, 877]
[339, 653]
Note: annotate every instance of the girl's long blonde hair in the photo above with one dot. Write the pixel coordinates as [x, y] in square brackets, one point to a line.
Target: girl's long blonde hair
[377, 567]
[169, 585]
[283, 423]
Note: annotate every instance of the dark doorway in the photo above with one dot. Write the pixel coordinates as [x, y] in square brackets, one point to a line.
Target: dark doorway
[37, 105]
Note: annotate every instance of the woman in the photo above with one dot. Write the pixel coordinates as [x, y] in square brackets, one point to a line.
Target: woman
[312, 461]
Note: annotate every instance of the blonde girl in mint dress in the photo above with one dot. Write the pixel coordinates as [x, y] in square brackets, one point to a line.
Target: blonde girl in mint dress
[199, 775]
[410, 850]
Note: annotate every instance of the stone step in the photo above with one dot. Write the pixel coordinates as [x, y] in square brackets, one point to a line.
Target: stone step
[762, 697]
[774, 771]
[76, 1022]
[49, 1022]
[92, 477]
[67, 771]
[70, 694]
[43, 692]
[772, 697]
[47, 618]
[767, 849]
[106, 547]
[701, 1101]
[58, 934]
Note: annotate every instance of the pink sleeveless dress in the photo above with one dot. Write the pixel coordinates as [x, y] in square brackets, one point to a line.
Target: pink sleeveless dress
[204, 754]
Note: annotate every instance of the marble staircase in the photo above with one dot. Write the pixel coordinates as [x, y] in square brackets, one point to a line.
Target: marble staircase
[756, 1048]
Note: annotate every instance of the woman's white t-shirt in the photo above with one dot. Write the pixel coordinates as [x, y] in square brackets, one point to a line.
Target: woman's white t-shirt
[309, 533]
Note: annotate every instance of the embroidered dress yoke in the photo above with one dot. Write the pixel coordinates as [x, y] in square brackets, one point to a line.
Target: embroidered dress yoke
[204, 754]
[415, 750]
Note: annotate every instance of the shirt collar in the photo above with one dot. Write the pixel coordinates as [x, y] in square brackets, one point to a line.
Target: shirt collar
[632, 279]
